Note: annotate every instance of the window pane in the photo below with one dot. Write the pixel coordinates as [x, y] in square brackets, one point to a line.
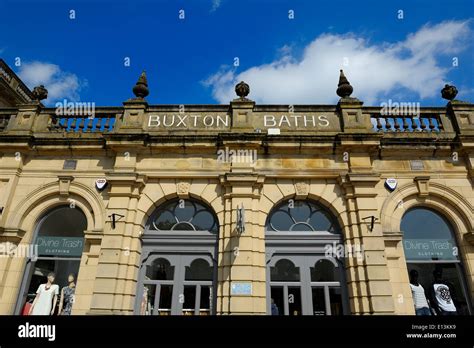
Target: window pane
[320, 221]
[166, 294]
[64, 221]
[281, 221]
[61, 269]
[336, 300]
[160, 269]
[450, 275]
[148, 300]
[319, 302]
[302, 227]
[203, 221]
[199, 270]
[284, 270]
[184, 215]
[324, 271]
[303, 216]
[189, 299]
[183, 226]
[294, 301]
[205, 302]
[186, 212]
[420, 223]
[301, 211]
[165, 220]
[277, 301]
[427, 236]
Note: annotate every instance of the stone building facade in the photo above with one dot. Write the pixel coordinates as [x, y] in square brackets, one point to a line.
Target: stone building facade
[240, 172]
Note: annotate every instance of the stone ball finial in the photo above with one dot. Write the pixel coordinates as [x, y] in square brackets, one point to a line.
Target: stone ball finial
[344, 88]
[40, 93]
[141, 87]
[242, 89]
[449, 92]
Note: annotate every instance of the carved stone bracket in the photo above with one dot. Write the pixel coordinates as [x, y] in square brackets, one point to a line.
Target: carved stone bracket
[301, 189]
[182, 189]
[422, 184]
[64, 184]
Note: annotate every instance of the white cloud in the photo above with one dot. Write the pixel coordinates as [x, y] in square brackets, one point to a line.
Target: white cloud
[374, 70]
[215, 5]
[60, 84]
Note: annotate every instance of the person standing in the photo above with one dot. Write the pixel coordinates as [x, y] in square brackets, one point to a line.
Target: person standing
[46, 297]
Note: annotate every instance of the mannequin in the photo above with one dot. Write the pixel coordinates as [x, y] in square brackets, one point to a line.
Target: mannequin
[441, 294]
[67, 296]
[46, 297]
[418, 293]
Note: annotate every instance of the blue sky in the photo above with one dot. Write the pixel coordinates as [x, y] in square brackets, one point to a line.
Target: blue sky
[284, 60]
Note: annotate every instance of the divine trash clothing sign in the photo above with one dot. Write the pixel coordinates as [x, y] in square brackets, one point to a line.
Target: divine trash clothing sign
[428, 249]
[60, 246]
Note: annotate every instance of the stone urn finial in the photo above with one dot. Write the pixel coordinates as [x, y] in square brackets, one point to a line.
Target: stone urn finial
[449, 92]
[40, 93]
[141, 87]
[344, 88]
[242, 89]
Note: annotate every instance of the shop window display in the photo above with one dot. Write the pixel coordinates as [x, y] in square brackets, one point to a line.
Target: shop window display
[60, 239]
[434, 264]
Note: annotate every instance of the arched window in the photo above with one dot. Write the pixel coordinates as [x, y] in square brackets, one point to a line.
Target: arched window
[59, 241]
[301, 216]
[302, 277]
[183, 215]
[179, 267]
[433, 259]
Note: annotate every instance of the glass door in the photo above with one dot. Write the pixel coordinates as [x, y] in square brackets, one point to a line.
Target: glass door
[177, 285]
[304, 285]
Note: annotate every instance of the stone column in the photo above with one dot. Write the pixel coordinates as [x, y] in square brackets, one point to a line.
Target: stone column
[117, 269]
[242, 256]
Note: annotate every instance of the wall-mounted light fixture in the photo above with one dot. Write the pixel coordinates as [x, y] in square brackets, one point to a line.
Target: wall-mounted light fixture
[372, 221]
[115, 217]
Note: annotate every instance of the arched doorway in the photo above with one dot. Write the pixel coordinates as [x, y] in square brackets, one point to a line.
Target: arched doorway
[178, 271]
[432, 251]
[302, 277]
[59, 237]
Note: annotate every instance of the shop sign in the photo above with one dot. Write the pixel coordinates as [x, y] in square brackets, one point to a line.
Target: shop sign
[60, 246]
[429, 249]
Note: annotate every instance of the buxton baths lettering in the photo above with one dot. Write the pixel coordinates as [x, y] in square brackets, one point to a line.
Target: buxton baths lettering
[294, 121]
[188, 121]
